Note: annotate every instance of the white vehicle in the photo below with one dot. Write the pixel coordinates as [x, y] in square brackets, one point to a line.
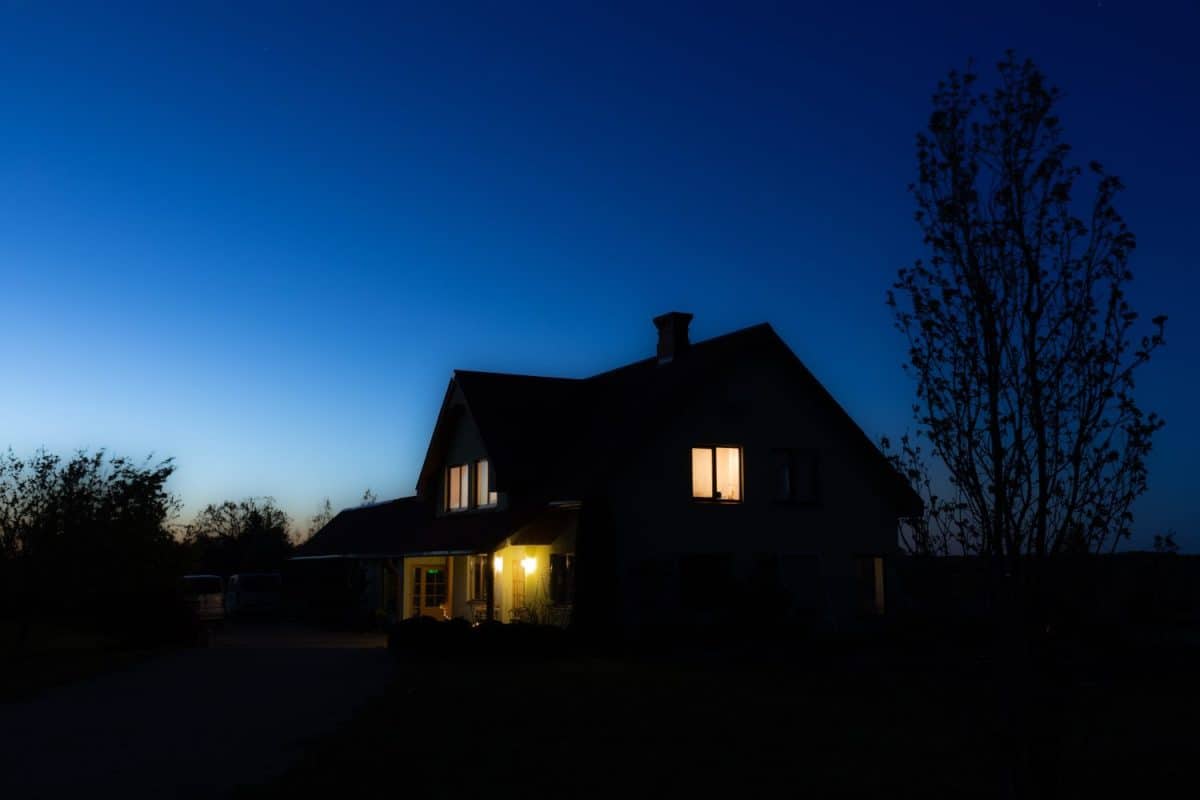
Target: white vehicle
[205, 595]
[253, 593]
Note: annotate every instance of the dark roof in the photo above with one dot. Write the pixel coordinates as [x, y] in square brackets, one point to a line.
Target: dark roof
[550, 436]
[407, 527]
[373, 530]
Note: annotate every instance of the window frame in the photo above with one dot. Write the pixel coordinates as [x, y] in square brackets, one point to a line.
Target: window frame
[790, 458]
[712, 448]
[465, 501]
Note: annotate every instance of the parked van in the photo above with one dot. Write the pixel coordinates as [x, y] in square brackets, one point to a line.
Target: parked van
[205, 595]
[250, 593]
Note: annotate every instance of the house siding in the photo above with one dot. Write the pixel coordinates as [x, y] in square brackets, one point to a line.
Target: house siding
[760, 406]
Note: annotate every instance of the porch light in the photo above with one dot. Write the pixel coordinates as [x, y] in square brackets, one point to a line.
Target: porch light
[498, 563]
[530, 564]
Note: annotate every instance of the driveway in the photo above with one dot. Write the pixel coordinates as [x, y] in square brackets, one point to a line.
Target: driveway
[192, 723]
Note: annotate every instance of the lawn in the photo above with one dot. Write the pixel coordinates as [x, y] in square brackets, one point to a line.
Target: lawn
[864, 722]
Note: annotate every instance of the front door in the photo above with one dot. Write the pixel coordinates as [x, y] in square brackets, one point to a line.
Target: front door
[429, 592]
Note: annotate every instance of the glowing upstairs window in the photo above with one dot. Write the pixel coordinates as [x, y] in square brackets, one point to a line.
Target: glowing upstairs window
[484, 496]
[717, 473]
[458, 493]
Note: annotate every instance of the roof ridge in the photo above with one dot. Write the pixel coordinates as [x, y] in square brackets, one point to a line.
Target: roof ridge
[702, 343]
[490, 373]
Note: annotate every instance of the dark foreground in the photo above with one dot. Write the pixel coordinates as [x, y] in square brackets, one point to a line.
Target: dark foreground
[919, 718]
[190, 723]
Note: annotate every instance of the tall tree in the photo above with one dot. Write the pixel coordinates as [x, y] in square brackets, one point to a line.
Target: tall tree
[1021, 339]
[248, 535]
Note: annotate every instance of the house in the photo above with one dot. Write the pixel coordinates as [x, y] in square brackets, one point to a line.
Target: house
[711, 482]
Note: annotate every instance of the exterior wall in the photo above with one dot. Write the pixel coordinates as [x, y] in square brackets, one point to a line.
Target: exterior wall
[465, 446]
[762, 406]
[459, 588]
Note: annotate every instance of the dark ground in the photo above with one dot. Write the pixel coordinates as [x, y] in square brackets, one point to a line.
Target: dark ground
[847, 719]
[190, 723]
[285, 711]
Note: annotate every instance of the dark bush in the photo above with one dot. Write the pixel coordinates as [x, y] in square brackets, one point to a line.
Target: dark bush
[426, 638]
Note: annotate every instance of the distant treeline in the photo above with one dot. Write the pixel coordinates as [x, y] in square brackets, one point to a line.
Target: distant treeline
[94, 538]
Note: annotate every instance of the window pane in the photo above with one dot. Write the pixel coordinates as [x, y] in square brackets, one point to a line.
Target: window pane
[729, 473]
[481, 482]
[456, 497]
[702, 472]
[464, 479]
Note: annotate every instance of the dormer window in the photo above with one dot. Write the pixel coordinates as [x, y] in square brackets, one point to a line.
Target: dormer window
[458, 487]
[484, 496]
[717, 474]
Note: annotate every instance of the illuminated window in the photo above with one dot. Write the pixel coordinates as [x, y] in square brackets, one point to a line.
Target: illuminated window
[717, 473]
[484, 496]
[458, 493]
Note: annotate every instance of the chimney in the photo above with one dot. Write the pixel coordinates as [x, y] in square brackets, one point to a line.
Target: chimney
[672, 335]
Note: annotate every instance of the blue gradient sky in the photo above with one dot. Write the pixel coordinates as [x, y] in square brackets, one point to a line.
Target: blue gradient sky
[259, 241]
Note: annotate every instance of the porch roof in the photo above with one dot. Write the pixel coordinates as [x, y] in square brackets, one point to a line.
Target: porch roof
[407, 527]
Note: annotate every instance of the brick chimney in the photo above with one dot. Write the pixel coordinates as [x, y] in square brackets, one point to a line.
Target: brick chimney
[672, 335]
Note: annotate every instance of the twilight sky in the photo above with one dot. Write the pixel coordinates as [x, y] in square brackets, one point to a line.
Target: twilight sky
[260, 240]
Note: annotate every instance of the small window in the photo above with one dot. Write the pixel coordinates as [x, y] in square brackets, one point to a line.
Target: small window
[458, 494]
[796, 476]
[717, 473]
[484, 496]
[562, 578]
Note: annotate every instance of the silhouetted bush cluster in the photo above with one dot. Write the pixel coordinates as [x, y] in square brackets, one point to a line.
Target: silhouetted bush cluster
[84, 542]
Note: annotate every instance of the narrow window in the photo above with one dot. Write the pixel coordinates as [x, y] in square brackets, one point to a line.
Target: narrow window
[562, 578]
[717, 473]
[458, 495]
[484, 496]
[871, 585]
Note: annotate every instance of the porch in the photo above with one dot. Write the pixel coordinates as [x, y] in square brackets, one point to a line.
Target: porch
[524, 575]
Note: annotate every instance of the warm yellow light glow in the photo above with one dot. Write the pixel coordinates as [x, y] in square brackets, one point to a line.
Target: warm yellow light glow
[702, 469]
[498, 563]
[530, 564]
[729, 473]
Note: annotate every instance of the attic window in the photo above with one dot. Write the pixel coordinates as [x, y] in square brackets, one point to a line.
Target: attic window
[484, 495]
[458, 491]
[717, 474]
